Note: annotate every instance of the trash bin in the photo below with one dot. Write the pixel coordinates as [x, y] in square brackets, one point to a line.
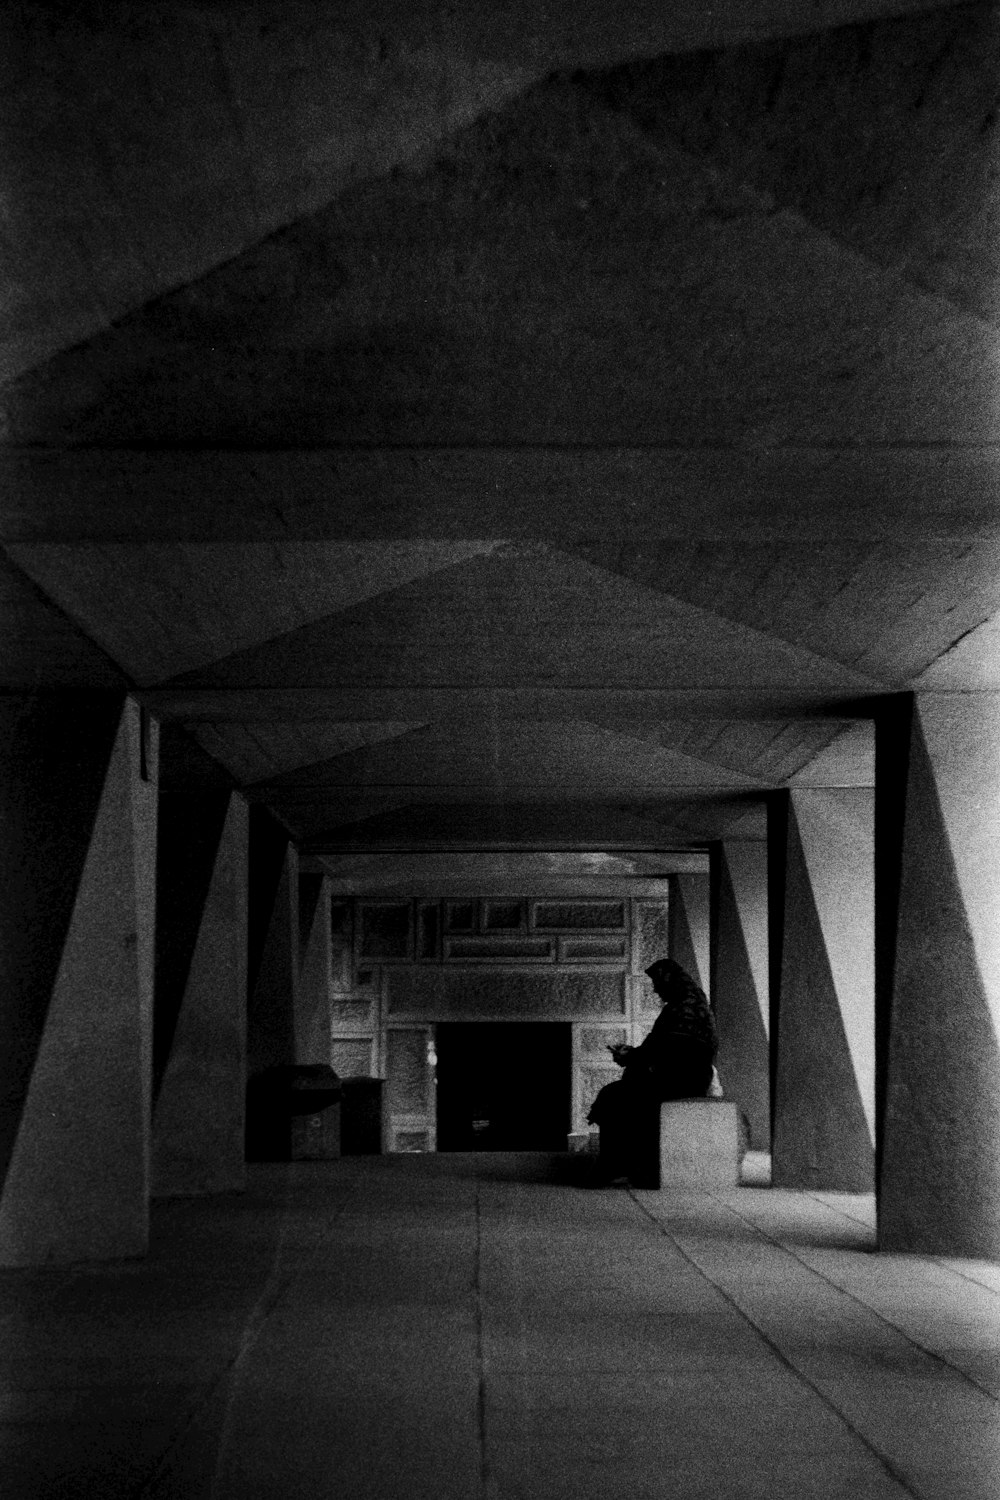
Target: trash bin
[293, 1113]
[361, 1117]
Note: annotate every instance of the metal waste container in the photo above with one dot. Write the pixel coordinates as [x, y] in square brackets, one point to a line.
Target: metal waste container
[293, 1113]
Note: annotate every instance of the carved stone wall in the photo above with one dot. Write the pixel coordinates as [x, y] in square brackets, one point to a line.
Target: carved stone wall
[400, 967]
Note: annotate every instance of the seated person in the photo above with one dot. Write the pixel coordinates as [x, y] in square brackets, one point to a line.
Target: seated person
[676, 1061]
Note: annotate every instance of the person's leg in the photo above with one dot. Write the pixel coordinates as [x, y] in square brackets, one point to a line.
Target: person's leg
[644, 1142]
[609, 1112]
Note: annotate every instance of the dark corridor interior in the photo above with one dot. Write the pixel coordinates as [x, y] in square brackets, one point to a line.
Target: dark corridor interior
[503, 1086]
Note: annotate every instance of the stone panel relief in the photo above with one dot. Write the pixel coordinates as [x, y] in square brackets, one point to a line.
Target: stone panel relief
[596, 1039]
[411, 1140]
[578, 915]
[352, 1011]
[652, 933]
[485, 958]
[351, 1057]
[384, 930]
[559, 994]
[341, 968]
[592, 950]
[428, 931]
[502, 916]
[501, 949]
[460, 916]
[408, 1084]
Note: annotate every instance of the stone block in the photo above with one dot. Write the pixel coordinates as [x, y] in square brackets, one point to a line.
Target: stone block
[700, 1144]
[583, 1142]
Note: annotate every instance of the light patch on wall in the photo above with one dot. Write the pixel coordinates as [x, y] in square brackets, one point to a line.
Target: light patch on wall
[837, 836]
[972, 663]
[849, 760]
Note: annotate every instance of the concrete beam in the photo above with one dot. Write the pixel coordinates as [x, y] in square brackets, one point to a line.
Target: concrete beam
[510, 870]
[242, 119]
[547, 493]
[351, 705]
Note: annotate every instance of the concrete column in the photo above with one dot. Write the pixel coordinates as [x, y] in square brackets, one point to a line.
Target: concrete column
[938, 780]
[274, 945]
[688, 926]
[740, 980]
[78, 776]
[199, 1051]
[823, 1007]
[312, 1011]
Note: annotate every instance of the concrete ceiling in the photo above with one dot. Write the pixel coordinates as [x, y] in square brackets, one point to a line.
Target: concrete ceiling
[560, 464]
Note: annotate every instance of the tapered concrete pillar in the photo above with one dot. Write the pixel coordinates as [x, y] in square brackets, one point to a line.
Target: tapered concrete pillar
[199, 1052]
[77, 894]
[822, 999]
[740, 980]
[274, 945]
[938, 780]
[312, 1009]
[688, 926]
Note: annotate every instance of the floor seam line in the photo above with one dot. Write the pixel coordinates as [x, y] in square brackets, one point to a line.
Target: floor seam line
[940, 1260]
[480, 1346]
[884, 1461]
[842, 1213]
[257, 1318]
[859, 1302]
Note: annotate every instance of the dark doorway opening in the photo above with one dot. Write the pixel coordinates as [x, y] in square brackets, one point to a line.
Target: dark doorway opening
[503, 1086]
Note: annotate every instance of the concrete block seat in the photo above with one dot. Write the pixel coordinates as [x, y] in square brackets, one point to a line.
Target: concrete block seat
[702, 1142]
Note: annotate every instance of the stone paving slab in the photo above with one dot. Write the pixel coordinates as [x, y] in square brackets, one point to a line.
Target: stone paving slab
[471, 1328]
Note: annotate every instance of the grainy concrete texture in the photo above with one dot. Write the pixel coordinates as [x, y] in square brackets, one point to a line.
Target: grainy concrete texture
[78, 983]
[740, 980]
[823, 1028]
[243, 117]
[488, 1326]
[199, 1017]
[940, 1053]
[688, 926]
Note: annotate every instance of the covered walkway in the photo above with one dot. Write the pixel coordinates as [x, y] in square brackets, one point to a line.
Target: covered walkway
[491, 1326]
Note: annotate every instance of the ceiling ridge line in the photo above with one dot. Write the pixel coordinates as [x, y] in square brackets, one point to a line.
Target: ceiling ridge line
[772, 205]
[671, 750]
[127, 681]
[728, 763]
[865, 679]
[476, 550]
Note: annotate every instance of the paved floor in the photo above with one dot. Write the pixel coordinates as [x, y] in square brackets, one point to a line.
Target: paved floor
[489, 1328]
